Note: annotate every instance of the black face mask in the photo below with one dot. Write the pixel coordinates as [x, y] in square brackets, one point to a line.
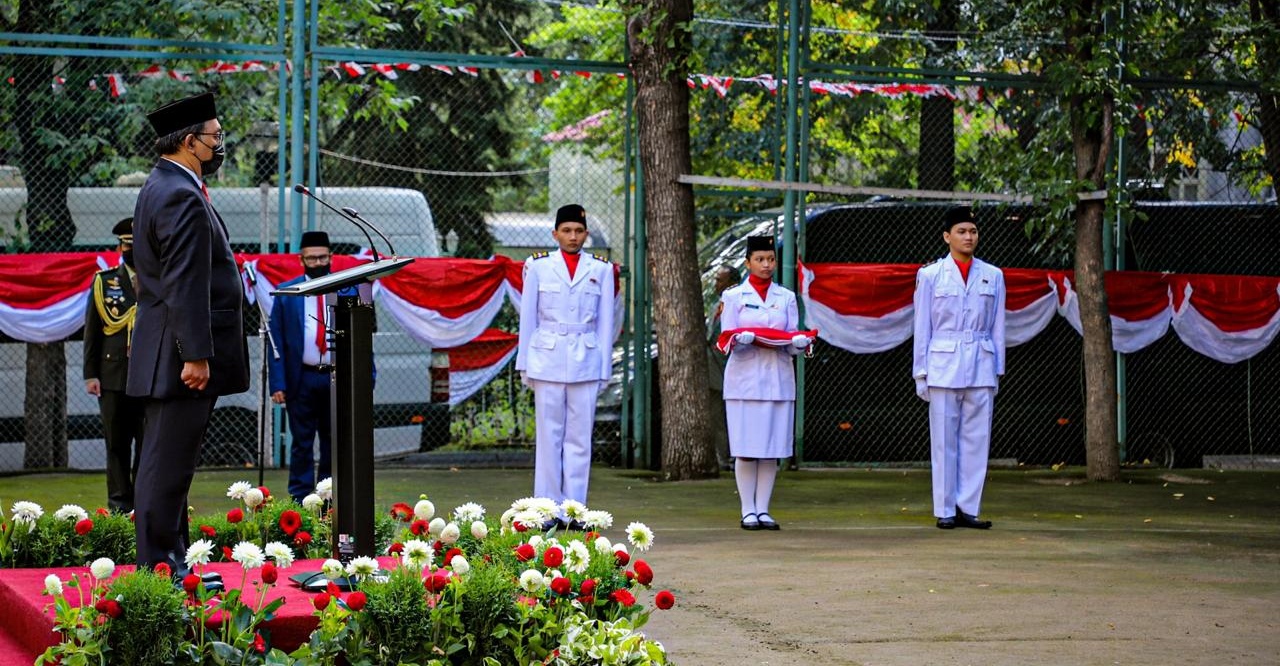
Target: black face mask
[127, 256]
[316, 271]
[210, 166]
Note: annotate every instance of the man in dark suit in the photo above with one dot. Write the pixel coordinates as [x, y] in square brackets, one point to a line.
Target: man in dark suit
[300, 375]
[108, 325]
[188, 340]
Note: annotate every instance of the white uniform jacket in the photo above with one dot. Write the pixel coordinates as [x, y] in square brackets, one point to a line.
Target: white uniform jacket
[959, 326]
[566, 325]
[759, 373]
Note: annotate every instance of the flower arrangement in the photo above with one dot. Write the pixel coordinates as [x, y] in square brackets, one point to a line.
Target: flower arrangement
[455, 589]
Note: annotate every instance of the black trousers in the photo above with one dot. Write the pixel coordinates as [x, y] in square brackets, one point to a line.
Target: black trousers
[122, 417]
[172, 436]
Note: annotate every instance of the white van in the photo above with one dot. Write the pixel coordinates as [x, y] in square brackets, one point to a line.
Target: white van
[252, 217]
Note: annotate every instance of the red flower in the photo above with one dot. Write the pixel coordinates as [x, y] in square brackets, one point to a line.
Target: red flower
[83, 527]
[631, 575]
[266, 494]
[290, 521]
[590, 536]
[448, 557]
[269, 573]
[519, 526]
[525, 552]
[588, 587]
[356, 601]
[333, 590]
[113, 608]
[259, 645]
[102, 511]
[553, 557]
[402, 512]
[321, 601]
[235, 515]
[226, 553]
[437, 546]
[623, 597]
[561, 586]
[208, 531]
[396, 548]
[419, 527]
[190, 583]
[643, 573]
[621, 558]
[664, 600]
[100, 606]
[162, 569]
[436, 581]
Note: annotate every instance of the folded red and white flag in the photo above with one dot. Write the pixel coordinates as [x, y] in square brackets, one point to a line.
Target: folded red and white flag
[765, 337]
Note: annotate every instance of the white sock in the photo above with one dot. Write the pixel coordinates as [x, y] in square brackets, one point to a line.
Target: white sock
[744, 472]
[766, 472]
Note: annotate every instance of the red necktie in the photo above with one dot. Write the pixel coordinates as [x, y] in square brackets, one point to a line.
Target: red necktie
[205, 190]
[322, 342]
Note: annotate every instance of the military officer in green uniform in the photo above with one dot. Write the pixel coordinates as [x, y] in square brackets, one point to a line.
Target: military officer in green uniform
[108, 329]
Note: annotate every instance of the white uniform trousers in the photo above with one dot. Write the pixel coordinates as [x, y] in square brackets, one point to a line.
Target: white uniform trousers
[565, 414]
[960, 436]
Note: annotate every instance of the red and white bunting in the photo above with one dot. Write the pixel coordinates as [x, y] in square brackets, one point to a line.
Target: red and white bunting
[388, 71]
[117, 85]
[353, 69]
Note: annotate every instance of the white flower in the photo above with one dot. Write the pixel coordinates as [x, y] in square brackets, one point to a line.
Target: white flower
[479, 530]
[424, 509]
[248, 554]
[573, 509]
[459, 565]
[550, 575]
[253, 498]
[199, 553]
[598, 520]
[312, 502]
[238, 489]
[332, 569]
[71, 512]
[282, 554]
[417, 554]
[325, 489]
[530, 518]
[577, 557]
[102, 568]
[449, 535]
[536, 541]
[640, 536]
[620, 548]
[52, 585]
[28, 513]
[436, 526]
[507, 517]
[362, 567]
[531, 581]
[468, 512]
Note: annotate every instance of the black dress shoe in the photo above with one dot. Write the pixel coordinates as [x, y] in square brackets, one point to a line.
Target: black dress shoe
[768, 523]
[553, 524]
[752, 524]
[576, 526]
[965, 520]
[946, 523]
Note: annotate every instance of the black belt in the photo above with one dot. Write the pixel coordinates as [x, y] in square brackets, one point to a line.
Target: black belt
[318, 368]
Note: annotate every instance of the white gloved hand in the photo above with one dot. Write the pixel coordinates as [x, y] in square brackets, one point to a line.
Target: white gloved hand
[922, 388]
[800, 341]
[745, 338]
[524, 379]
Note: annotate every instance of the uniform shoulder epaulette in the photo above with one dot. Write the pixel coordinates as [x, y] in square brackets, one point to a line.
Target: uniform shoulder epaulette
[105, 273]
[540, 255]
[600, 257]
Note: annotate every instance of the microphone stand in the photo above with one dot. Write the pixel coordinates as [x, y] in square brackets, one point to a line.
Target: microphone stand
[265, 405]
[302, 189]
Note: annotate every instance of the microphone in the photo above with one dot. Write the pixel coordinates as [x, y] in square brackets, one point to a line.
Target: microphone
[351, 212]
[250, 274]
[302, 189]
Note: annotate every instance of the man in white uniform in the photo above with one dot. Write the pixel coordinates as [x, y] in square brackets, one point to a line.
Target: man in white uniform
[565, 354]
[957, 365]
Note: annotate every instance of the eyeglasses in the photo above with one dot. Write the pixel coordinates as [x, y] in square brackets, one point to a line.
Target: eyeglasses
[218, 137]
[316, 260]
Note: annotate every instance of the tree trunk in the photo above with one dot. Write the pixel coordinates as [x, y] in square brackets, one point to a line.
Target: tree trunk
[937, 158]
[1268, 11]
[1091, 139]
[660, 47]
[45, 406]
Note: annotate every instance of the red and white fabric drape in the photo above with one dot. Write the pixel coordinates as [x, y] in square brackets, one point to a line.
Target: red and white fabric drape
[867, 308]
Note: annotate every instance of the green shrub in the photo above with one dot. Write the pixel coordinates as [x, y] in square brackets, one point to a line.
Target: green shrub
[397, 618]
[153, 622]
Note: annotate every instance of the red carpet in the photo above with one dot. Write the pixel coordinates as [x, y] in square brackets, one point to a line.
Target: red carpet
[26, 615]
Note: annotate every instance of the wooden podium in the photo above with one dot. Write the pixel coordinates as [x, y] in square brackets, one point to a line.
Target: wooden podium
[348, 297]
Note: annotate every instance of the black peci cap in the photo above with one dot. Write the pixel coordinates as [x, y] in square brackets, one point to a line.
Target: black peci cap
[183, 113]
[314, 239]
[123, 230]
[955, 215]
[571, 213]
[760, 244]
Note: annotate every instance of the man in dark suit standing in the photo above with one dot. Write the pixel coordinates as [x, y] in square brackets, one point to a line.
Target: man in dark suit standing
[188, 340]
[108, 326]
[300, 375]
